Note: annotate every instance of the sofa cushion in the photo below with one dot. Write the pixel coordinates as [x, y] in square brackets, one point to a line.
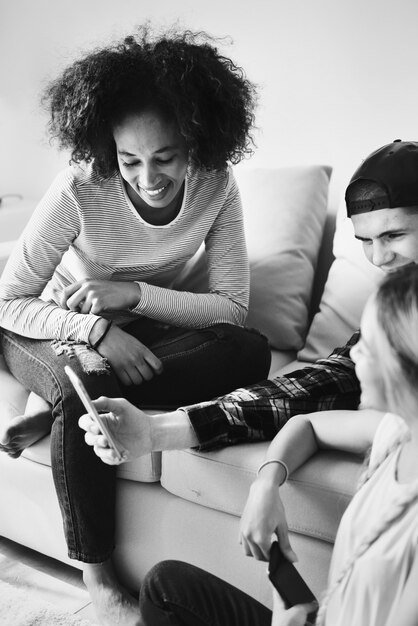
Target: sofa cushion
[284, 216]
[146, 469]
[314, 497]
[350, 281]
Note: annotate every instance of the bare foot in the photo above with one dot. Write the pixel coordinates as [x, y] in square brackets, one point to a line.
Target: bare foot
[22, 431]
[112, 603]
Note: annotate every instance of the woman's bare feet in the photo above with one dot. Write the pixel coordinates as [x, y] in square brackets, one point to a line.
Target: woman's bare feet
[23, 430]
[112, 603]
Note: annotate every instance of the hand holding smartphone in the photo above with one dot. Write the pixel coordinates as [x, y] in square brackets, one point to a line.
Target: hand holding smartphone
[288, 582]
[91, 409]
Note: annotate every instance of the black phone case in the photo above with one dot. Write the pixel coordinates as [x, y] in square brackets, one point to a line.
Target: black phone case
[287, 580]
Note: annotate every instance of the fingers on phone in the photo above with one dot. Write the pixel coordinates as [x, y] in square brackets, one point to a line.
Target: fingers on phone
[289, 553]
[107, 455]
[94, 440]
[302, 610]
[86, 423]
[286, 548]
[254, 549]
[104, 404]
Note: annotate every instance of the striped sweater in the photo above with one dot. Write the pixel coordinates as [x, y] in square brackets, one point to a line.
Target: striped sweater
[86, 227]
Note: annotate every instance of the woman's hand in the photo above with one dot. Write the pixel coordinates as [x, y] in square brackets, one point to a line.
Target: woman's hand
[130, 427]
[295, 616]
[263, 517]
[98, 296]
[132, 362]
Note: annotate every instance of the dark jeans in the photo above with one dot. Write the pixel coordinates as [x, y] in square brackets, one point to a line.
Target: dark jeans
[178, 594]
[198, 364]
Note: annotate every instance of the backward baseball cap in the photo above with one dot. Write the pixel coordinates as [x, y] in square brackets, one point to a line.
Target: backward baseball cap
[390, 177]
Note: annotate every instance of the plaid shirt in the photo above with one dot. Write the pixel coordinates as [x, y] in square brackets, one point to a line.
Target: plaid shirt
[257, 412]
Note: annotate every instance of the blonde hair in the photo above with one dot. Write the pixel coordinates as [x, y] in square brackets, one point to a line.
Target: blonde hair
[397, 331]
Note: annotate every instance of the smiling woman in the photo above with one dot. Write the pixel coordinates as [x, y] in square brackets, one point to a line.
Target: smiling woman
[152, 124]
[153, 159]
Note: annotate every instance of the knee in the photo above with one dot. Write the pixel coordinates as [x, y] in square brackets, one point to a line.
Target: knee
[91, 368]
[81, 357]
[260, 352]
[161, 581]
[163, 571]
[253, 350]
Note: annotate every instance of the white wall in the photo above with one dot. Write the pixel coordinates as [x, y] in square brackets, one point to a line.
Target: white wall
[337, 78]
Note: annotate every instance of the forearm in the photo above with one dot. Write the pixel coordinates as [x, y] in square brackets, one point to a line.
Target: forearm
[172, 431]
[32, 317]
[304, 435]
[294, 445]
[186, 309]
[258, 412]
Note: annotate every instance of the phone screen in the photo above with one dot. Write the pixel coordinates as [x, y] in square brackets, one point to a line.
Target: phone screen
[91, 409]
[288, 582]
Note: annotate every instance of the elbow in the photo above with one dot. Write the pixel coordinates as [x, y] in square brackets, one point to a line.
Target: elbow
[240, 314]
[228, 311]
[236, 315]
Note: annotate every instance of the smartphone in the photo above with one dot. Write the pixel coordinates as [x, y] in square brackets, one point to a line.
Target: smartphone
[288, 582]
[91, 409]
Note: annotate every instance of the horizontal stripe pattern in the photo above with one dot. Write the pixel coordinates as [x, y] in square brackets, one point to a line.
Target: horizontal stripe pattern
[85, 227]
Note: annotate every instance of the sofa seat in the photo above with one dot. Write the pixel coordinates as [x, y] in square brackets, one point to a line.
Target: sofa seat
[315, 496]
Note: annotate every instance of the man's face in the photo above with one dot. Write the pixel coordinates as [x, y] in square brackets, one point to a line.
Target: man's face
[389, 236]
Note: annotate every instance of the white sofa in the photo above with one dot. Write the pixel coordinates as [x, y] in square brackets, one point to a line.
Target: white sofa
[186, 505]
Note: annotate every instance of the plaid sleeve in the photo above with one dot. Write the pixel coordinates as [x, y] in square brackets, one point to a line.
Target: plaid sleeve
[257, 412]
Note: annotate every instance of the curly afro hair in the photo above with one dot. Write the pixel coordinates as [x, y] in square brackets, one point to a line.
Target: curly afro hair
[182, 76]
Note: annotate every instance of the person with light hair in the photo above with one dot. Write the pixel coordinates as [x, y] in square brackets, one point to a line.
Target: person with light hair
[374, 568]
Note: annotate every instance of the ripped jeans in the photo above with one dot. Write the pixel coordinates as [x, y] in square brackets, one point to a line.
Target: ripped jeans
[198, 365]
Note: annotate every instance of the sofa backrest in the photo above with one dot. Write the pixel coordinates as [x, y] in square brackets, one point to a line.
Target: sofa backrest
[284, 215]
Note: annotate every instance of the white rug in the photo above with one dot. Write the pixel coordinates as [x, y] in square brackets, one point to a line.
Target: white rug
[20, 608]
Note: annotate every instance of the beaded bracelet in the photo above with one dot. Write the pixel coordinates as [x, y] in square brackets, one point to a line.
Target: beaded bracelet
[100, 339]
[281, 463]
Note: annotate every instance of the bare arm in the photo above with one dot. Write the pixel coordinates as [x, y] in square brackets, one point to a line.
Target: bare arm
[303, 435]
[299, 439]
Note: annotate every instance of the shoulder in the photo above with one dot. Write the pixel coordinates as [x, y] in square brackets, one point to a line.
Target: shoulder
[83, 174]
[211, 183]
[222, 178]
[81, 184]
[75, 188]
[73, 176]
[391, 429]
